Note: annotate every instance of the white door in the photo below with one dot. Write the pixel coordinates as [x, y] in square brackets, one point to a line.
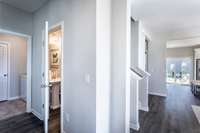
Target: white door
[3, 72]
[45, 77]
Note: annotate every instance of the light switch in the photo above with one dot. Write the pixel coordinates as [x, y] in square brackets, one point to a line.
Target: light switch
[67, 117]
[87, 78]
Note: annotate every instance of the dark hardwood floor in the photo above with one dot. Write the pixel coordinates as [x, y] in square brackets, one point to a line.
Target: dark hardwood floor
[28, 123]
[54, 121]
[167, 115]
[25, 123]
[173, 114]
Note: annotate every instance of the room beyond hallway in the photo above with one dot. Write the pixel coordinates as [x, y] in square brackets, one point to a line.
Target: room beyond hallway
[11, 108]
[173, 114]
[13, 75]
[179, 70]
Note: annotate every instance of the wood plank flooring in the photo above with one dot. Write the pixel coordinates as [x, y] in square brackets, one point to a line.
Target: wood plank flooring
[172, 114]
[28, 123]
[12, 108]
[54, 121]
[167, 115]
[25, 123]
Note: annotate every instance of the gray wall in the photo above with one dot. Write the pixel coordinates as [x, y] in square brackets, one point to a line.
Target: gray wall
[120, 66]
[180, 52]
[15, 20]
[80, 60]
[157, 56]
[18, 55]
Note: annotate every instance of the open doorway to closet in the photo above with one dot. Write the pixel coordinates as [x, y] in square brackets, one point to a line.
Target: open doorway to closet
[52, 77]
[55, 61]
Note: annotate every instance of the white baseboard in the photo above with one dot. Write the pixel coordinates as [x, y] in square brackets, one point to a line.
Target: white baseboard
[135, 126]
[37, 114]
[158, 94]
[13, 98]
[143, 108]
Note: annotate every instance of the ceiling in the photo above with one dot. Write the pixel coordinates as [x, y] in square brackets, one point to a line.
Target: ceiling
[192, 42]
[174, 19]
[26, 5]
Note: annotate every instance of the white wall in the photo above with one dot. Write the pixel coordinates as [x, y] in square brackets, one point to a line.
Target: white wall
[120, 66]
[157, 56]
[144, 94]
[138, 45]
[134, 103]
[138, 60]
[143, 84]
[18, 55]
[141, 48]
[79, 60]
[134, 115]
[15, 20]
[103, 53]
[134, 43]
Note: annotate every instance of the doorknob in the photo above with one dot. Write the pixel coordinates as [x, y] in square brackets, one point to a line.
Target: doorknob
[5, 75]
[44, 86]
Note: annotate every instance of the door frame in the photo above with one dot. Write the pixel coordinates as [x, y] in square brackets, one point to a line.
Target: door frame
[8, 68]
[61, 24]
[29, 64]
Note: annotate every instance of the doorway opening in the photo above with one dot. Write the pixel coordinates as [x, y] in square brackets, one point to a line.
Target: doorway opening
[55, 41]
[179, 71]
[15, 71]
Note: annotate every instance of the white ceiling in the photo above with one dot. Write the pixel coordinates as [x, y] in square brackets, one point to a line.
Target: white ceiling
[26, 5]
[172, 18]
[175, 19]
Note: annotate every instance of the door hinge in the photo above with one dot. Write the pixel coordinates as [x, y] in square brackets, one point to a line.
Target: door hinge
[43, 105]
[43, 74]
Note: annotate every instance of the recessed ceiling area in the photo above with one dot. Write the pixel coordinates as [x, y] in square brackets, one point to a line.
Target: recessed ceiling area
[174, 18]
[26, 5]
[190, 42]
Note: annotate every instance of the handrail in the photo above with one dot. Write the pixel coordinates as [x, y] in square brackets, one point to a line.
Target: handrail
[135, 71]
[143, 72]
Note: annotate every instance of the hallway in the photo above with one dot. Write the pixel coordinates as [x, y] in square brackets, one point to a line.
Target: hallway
[12, 108]
[173, 114]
